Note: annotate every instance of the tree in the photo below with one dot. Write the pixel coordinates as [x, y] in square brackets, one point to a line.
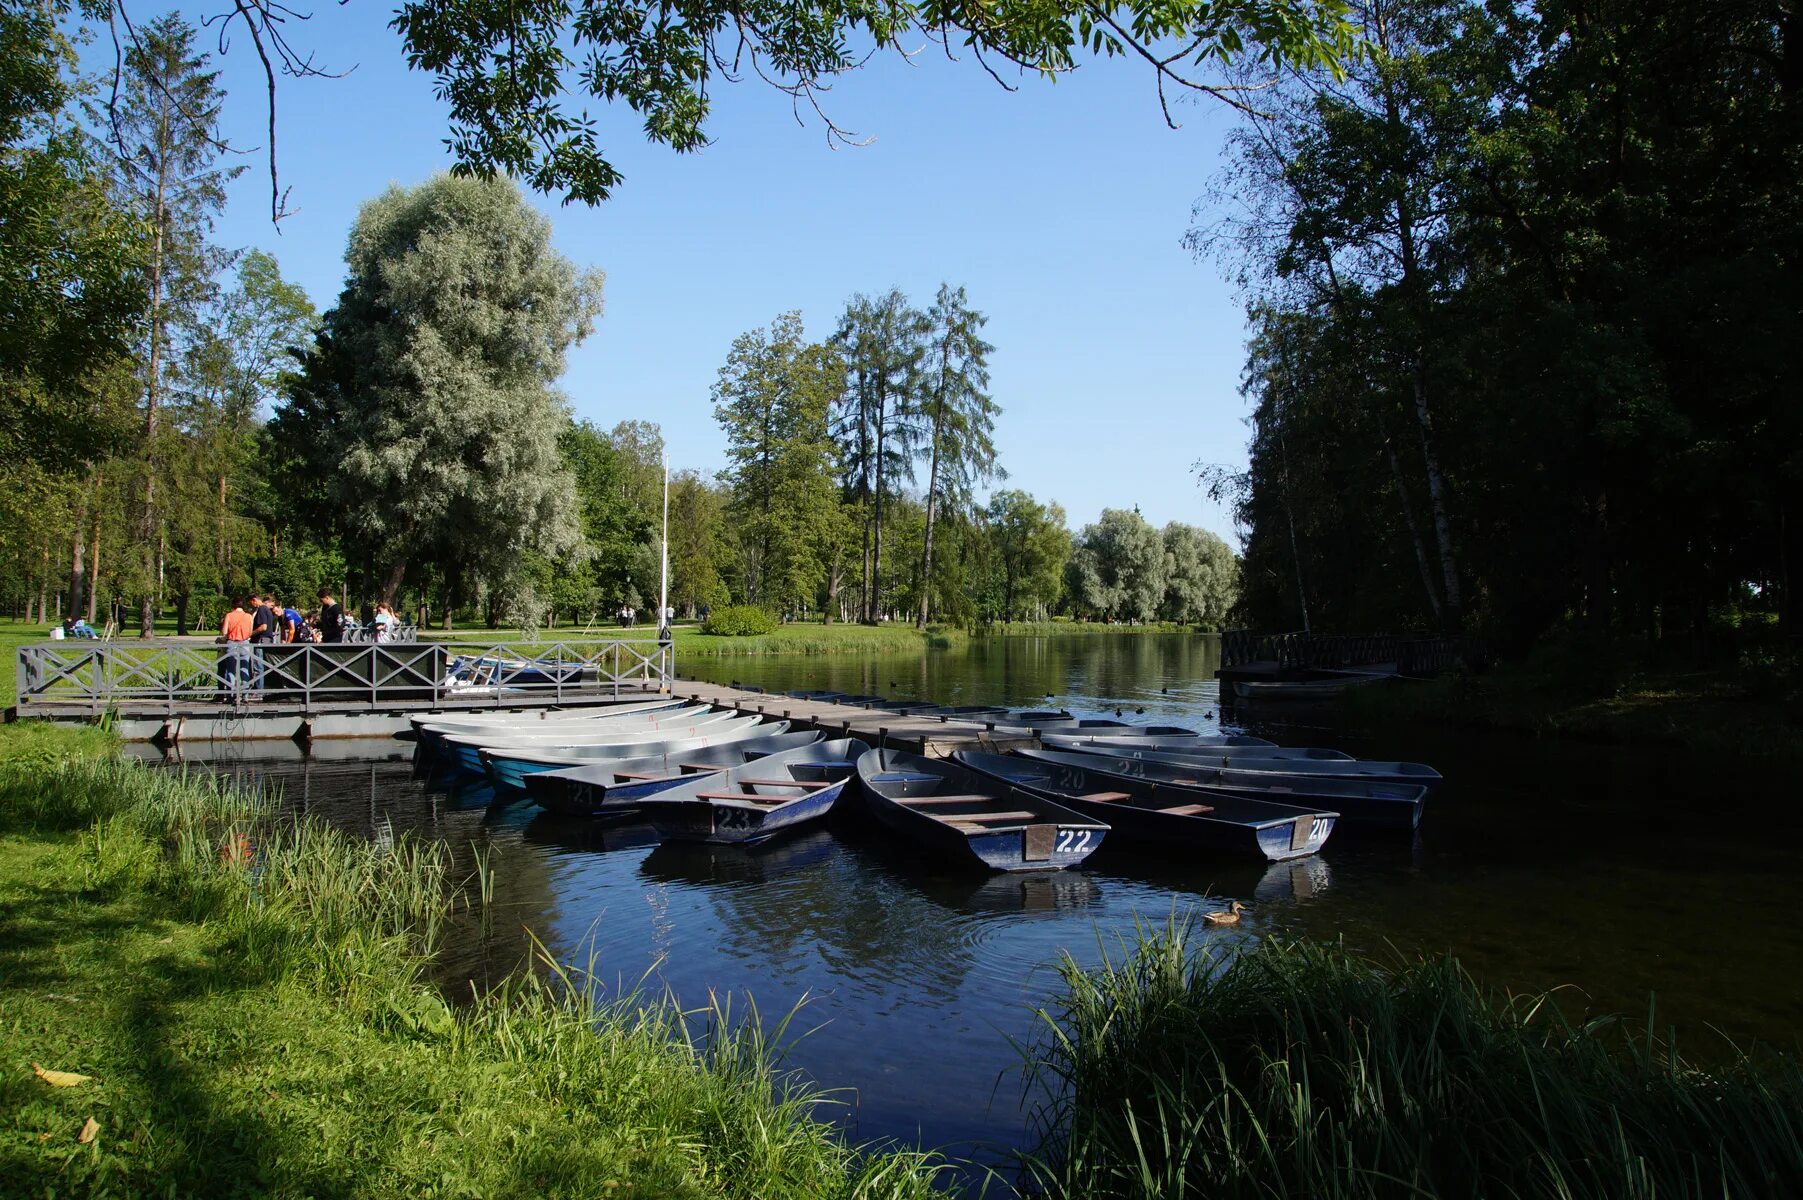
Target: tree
[698, 542]
[70, 290]
[509, 73]
[771, 399]
[1119, 568]
[957, 413]
[426, 399]
[164, 130]
[875, 421]
[1201, 576]
[1031, 546]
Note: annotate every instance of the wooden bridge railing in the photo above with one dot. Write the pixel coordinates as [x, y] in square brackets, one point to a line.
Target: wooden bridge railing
[101, 674]
[1306, 651]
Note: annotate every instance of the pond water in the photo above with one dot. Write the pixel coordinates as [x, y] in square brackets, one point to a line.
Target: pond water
[1623, 873]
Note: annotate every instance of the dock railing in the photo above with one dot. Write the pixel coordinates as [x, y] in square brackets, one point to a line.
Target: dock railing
[1298, 651]
[101, 675]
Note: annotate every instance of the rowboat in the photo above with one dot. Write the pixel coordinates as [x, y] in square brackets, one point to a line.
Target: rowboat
[431, 729]
[969, 821]
[576, 733]
[508, 765]
[1195, 748]
[1368, 803]
[1294, 691]
[1163, 815]
[767, 796]
[1264, 762]
[463, 749]
[615, 787]
[438, 721]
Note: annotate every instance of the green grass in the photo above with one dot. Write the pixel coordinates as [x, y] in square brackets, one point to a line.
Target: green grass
[1063, 628]
[1551, 695]
[246, 997]
[1300, 1070]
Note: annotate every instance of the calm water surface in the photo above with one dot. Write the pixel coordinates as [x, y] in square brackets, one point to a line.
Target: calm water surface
[1622, 873]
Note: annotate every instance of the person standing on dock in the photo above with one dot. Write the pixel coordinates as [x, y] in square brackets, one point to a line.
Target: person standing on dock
[234, 664]
[331, 618]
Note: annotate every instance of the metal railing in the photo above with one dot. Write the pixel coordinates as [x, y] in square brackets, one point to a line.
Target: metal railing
[100, 675]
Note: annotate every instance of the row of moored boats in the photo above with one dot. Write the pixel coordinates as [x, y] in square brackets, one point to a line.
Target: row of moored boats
[710, 774]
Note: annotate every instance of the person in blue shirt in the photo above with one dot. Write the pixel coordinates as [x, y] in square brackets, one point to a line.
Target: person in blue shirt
[292, 621]
[81, 629]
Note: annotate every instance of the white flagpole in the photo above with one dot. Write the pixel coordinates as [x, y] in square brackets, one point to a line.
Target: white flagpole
[663, 583]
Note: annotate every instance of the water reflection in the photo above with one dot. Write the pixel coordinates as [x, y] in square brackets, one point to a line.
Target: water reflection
[1621, 872]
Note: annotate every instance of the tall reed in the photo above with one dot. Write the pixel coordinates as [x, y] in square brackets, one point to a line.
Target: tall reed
[1297, 1069]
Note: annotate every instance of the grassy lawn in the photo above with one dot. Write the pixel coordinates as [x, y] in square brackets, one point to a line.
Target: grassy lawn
[796, 638]
[1061, 628]
[244, 1001]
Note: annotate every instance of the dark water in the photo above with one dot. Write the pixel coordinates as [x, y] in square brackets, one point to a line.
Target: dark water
[1621, 873]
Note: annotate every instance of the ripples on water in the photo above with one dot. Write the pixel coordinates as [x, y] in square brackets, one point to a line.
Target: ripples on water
[1617, 871]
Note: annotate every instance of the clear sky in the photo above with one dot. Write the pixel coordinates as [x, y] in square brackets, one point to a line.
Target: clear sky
[1058, 207]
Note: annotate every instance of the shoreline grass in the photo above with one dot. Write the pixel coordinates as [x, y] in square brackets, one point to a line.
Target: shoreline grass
[1709, 712]
[1301, 1070]
[1062, 628]
[246, 998]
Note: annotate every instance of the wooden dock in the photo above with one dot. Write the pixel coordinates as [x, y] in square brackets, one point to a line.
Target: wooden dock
[275, 720]
[933, 736]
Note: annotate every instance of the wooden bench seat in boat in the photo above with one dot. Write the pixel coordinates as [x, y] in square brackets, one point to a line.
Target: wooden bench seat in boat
[915, 801]
[1188, 810]
[985, 818]
[748, 797]
[777, 783]
[1105, 797]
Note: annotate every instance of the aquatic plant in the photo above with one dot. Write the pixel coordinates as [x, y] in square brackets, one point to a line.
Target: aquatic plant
[1298, 1069]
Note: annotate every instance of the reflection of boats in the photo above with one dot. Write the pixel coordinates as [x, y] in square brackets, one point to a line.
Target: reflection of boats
[769, 795]
[1039, 891]
[708, 862]
[1363, 802]
[508, 766]
[956, 813]
[1158, 813]
[1294, 879]
[580, 833]
[611, 788]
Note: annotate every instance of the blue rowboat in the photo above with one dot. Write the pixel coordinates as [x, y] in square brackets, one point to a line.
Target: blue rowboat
[1365, 803]
[614, 788]
[751, 803]
[1164, 816]
[970, 821]
[508, 766]
[1256, 761]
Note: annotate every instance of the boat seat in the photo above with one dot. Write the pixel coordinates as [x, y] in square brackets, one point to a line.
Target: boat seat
[914, 801]
[1105, 797]
[775, 783]
[747, 797]
[1188, 810]
[984, 818]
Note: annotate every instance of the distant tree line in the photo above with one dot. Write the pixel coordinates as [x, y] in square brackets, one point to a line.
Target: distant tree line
[182, 426]
[1527, 323]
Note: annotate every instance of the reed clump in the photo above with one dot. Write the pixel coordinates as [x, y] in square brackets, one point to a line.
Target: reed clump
[1282, 1070]
[246, 995]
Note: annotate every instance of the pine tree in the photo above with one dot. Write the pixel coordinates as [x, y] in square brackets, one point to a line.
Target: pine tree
[957, 415]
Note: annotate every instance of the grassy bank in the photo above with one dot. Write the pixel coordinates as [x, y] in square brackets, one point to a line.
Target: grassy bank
[1300, 1070]
[1725, 712]
[1067, 628]
[244, 998]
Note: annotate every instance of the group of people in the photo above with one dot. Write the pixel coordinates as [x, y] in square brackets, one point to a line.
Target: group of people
[261, 619]
[629, 617]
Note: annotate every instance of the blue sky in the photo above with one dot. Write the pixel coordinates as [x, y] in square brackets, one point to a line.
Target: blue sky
[1058, 207]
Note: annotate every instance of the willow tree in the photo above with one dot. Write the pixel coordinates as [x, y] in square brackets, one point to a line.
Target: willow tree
[427, 399]
[957, 415]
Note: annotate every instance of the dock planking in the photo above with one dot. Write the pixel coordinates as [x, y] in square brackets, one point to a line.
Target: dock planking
[936, 737]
